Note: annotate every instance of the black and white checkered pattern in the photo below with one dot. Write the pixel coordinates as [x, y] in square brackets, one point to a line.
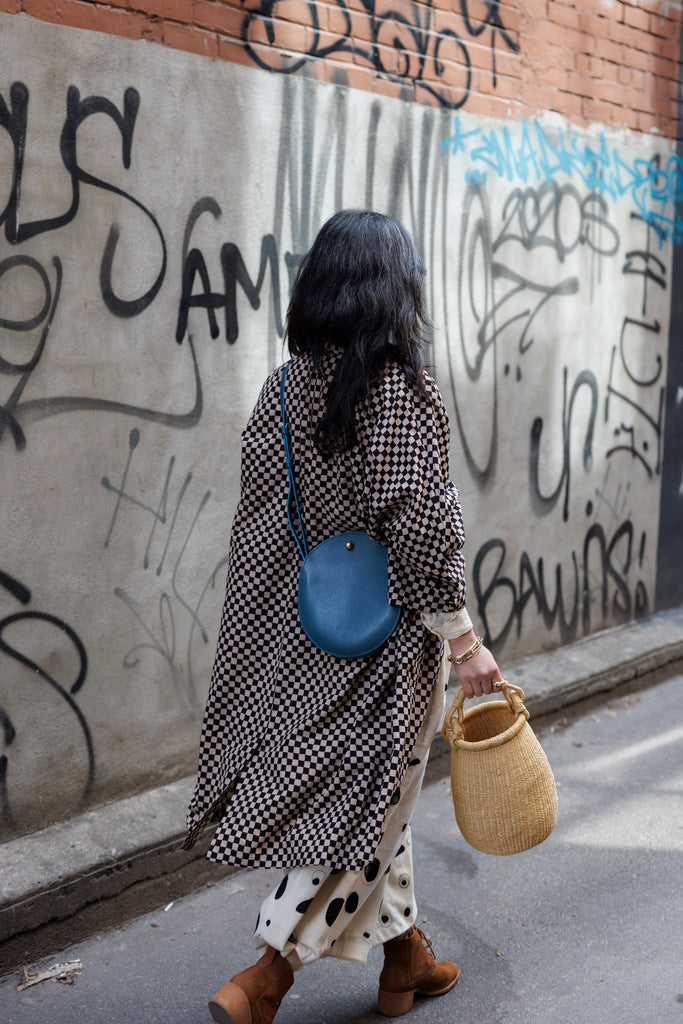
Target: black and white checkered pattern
[301, 752]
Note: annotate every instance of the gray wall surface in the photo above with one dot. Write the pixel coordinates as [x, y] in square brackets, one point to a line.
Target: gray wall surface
[155, 207]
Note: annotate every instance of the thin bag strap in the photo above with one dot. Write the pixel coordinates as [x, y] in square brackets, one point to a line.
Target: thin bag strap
[301, 544]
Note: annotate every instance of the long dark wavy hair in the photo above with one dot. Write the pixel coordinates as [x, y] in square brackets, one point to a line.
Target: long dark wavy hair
[359, 290]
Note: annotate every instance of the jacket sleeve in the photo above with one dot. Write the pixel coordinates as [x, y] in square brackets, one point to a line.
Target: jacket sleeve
[411, 505]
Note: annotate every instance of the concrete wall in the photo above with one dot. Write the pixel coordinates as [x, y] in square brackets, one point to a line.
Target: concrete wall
[155, 205]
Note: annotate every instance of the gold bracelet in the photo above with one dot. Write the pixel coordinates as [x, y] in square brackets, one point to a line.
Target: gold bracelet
[458, 659]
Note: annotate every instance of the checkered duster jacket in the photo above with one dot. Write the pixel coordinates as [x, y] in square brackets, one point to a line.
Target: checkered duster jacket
[301, 752]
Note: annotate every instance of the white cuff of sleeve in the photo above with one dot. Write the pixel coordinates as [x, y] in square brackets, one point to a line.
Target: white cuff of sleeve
[447, 625]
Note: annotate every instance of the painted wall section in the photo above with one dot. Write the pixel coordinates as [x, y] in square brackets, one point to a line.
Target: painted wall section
[155, 205]
[590, 60]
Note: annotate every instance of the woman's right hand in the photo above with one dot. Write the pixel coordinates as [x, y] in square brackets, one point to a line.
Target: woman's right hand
[478, 674]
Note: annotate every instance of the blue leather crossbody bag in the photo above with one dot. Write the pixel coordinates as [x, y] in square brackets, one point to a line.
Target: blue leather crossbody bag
[343, 583]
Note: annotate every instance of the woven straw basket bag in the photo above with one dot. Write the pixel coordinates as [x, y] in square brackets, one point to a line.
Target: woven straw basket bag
[502, 784]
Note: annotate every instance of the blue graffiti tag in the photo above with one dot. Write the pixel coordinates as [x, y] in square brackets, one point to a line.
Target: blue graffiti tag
[529, 154]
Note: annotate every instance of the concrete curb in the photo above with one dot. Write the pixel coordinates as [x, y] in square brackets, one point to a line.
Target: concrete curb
[51, 875]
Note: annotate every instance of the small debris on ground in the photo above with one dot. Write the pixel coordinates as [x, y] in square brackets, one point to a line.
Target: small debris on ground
[65, 974]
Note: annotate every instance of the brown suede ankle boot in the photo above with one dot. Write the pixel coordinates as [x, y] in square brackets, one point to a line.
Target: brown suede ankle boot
[410, 969]
[253, 996]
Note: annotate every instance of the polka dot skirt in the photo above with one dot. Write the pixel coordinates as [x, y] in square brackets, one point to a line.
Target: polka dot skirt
[319, 911]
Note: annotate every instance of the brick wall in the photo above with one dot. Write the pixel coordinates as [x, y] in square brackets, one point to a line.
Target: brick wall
[611, 61]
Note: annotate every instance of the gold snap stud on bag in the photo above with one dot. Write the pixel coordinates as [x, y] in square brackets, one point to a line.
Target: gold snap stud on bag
[503, 788]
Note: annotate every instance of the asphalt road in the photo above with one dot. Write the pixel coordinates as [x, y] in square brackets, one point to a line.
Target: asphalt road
[585, 929]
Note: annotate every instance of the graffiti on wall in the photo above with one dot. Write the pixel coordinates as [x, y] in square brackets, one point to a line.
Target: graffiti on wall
[172, 631]
[403, 42]
[654, 185]
[550, 293]
[14, 661]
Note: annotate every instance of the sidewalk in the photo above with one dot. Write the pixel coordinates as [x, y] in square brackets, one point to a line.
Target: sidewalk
[584, 928]
[119, 850]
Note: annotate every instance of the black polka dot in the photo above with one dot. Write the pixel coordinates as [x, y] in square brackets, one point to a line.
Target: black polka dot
[400, 850]
[415, 760]
[281, 888]
[257, 922]
[371, 870]
[316, 881]
[385, 918]
[388, 870]
[366, 935]
[351, 905]
[303, 907]
[332, 912]
[407, 912]
[395, 797]
[404, 827]
[268, 924]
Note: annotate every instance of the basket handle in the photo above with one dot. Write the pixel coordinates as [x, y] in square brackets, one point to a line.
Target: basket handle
[452, 729]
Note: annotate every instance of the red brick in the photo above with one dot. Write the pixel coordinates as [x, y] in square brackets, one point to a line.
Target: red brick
[217, 18]
[507, 88]
[639, 79]
[236, 53]
[491, 106]
[582, 62]
[536, 96]
[535, 8]
[597, 110]
[480, 56]
[636, 17]
[510, 16]
[642, 61]
[120, 23]
[646, 121]
[361, 28]
[567, 103]
[507, 62]
[581, 85]
[611, 72]
[550, 32]
[637, 100]
[387, 87]
[622, 33]
[610, 92]
[624, 76]
[343, 49]
[597, 67]
[174, 10]
[629, 117]
[557, 77]
[593, 25]
[10, 6]
[351, 75]
[658, 26]
[190, 39]
[45, 10]
[79, 15]
[567, 16]
[608, 50]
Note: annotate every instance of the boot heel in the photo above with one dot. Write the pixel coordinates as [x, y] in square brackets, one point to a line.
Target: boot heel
[230, 1006]
[393, 1004]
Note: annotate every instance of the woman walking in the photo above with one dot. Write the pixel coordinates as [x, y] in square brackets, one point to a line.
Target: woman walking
[314, 763]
